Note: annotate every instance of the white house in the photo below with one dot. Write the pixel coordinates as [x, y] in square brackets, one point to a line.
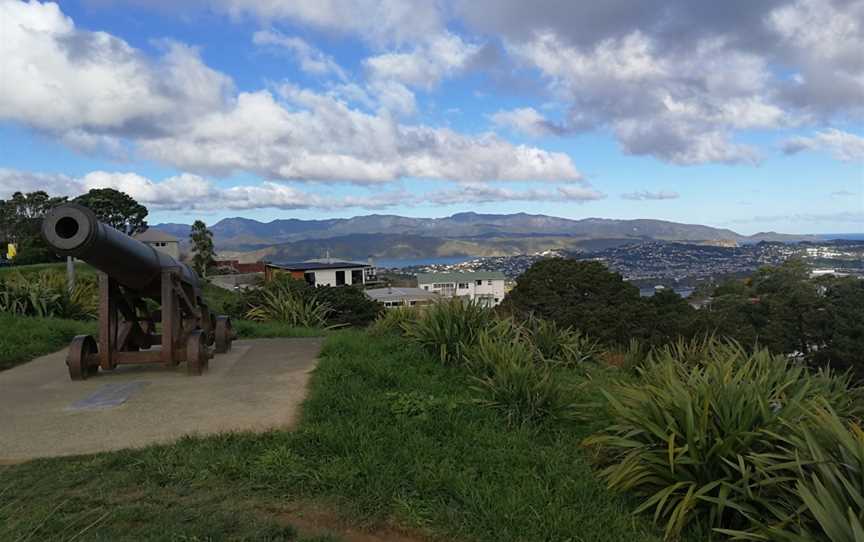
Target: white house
[485, 287]
[394, 297]
[333, 273]
[161, 241]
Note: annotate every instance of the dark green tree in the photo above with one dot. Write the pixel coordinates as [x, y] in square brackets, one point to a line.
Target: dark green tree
[115, 208]
[670, 316]
[202, 247]
[582, 294]
[20, 223]
[843, 346]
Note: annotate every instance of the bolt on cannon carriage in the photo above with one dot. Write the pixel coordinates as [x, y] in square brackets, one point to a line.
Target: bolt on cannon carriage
[132, 275]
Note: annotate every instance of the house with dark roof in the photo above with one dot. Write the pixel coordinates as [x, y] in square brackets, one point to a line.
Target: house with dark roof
[324, 273]
[161, 241]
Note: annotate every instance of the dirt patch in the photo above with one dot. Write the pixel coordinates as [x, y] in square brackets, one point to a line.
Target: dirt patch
[316, 520]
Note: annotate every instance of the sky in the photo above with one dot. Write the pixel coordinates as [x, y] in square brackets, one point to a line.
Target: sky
[738, 114]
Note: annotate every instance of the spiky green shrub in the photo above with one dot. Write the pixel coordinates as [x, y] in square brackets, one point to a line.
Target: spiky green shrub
[46, 295]
[281, 303]
[561, 345]
[395, 320]
[818, 470]
[687, 436]
[510, 381]
[449, 327]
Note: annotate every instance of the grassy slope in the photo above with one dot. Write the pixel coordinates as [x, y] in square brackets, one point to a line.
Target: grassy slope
[24, 338]
[386, 434]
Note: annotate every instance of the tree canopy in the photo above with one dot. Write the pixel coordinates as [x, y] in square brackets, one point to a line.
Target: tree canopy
[117, 209]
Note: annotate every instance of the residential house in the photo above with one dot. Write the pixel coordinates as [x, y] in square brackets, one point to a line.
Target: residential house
[484, 287]
[332, 273]
[394, 297]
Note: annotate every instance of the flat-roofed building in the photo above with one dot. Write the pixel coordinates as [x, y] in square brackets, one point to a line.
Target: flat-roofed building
[484, 287]
[394, 297]
[161, 241]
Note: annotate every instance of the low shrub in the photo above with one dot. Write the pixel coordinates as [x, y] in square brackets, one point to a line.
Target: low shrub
[280, 301]
[512, 382]
[46, 295]
[818, 470]
[449, 327]
[561, 345]
[395, 321]
[688, 436]
[349, 306]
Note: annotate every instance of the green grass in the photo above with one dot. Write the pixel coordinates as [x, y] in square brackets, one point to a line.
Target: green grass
[24, 338]
[388, 434]
[271, 330]
[81, 269]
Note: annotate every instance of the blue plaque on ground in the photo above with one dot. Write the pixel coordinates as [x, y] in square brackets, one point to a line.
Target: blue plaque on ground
[108, 396]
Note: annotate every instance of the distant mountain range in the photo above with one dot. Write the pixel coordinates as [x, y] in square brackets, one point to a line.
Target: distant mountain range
[470, 234]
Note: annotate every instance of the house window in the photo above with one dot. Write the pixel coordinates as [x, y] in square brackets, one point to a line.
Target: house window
[489, 282]
[478, 282]
[463, 285]
[340, 278]
[426, 287]
[310, 278]
[357, 276]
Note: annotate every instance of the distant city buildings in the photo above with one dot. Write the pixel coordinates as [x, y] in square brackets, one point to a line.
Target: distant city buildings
[483, 287]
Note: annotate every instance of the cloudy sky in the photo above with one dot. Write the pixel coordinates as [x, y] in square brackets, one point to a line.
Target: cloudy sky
[742, 114]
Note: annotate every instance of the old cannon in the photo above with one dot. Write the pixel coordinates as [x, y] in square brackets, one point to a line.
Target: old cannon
[135, 279]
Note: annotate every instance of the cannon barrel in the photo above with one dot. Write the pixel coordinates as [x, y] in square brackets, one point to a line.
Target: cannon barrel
[74, 230]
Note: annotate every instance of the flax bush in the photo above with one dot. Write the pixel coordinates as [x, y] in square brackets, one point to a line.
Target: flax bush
[511, 381]
[46, 295]
[561, 345]
[395, 321]
[687, 437]
[449, 327]
[281, 301]
[818, 470]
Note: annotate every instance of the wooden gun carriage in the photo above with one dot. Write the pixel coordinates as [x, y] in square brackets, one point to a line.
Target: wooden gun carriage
[134, 278]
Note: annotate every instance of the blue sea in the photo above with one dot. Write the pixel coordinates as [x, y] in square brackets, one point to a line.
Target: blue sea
[447, 260]
[841, 236]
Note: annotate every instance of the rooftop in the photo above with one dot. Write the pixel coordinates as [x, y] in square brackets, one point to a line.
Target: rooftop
[151, 235]
[427, 278]
[396, 294]
[311, 266]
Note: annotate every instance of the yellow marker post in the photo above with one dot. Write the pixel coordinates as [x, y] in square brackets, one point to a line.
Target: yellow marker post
[11, 251]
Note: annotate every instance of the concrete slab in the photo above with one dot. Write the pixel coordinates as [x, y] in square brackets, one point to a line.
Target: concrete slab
[257, 386]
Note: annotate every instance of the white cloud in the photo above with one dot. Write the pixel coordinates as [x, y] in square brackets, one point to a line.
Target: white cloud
[841, 145]
[679, 106]
[434, 59]
[64, 80]
[311, 59]
[647, 195]
[195, 193]
[379, 21]
[484, 193]
[526, 120]
[321, 138]
[96, 92]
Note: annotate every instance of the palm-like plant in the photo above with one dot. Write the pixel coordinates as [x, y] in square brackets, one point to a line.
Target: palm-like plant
[561, 345]
[286, 305]
[688, 436]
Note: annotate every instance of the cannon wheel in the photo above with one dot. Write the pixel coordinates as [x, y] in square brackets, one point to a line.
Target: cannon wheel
[82, 347]
[224, 334]
[196, 353]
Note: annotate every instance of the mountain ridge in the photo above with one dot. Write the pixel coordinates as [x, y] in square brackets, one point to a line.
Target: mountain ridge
[467, 233]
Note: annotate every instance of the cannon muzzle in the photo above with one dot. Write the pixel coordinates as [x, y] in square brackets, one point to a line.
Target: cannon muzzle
[73, 230]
